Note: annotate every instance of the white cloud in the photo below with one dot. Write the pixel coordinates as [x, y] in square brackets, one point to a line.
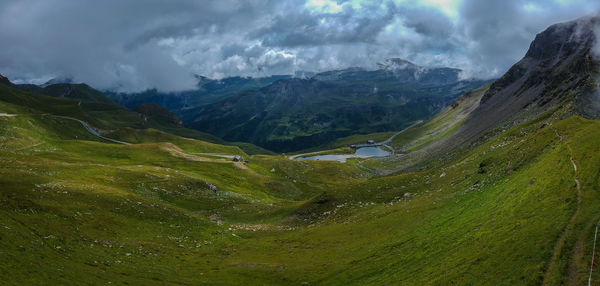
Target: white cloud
[324, 6]
[139, 44]
[448, 7]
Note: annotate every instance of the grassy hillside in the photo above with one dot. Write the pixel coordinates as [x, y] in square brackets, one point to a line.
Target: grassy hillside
[82, 102]
[513, 199]
[441, 125]
[353, 140]
[138, 136]
[507, 212]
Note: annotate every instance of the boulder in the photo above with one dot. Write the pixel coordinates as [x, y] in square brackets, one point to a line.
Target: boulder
[211, 187]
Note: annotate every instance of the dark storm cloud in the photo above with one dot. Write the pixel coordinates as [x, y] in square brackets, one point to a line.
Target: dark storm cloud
[111, 44]
[307, 29]
[139, 44]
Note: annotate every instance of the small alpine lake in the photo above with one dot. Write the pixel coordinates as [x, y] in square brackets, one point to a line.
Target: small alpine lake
[364, 152]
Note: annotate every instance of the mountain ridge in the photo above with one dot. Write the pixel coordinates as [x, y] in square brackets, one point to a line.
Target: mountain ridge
[558, 67]
[559, 81]
[292, 114]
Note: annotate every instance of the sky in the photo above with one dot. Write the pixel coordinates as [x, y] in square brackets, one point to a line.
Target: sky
[133, 45]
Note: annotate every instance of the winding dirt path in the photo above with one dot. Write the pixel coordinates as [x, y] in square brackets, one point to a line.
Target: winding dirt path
[561, 241]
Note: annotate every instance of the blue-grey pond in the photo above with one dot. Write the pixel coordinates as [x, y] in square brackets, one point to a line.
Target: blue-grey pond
[365, 152]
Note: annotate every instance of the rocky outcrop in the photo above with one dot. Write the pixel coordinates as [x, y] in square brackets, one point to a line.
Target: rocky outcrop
[559, 56]
[558, 68]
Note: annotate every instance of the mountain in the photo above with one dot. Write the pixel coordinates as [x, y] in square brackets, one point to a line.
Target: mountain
[58, 80]
[293, 114]
[557, 76]
[92, 106]
[396, 71]
[207, 91]
[90, 98]
[499, 188]
[558, 68]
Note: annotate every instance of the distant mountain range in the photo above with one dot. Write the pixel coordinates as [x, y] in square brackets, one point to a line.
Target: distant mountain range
[207, 91]
[285, 113]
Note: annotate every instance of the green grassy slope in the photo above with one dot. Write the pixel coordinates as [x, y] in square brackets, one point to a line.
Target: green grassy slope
[441, 125]
[137, 136]
[79, 211]
[109, 211]
[84, 103]
[494, 217]
[352, 140]
[502, 189]
[429, 140]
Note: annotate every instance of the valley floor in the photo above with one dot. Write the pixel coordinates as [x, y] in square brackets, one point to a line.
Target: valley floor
[519, 209]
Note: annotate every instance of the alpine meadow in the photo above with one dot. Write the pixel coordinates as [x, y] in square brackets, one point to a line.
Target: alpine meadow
[318, 142]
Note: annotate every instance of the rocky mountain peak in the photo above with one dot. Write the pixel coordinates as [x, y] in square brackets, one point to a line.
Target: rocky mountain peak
[58, 80]
[558, 70]
[564, 39]
[396, 64]
[560, 58]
